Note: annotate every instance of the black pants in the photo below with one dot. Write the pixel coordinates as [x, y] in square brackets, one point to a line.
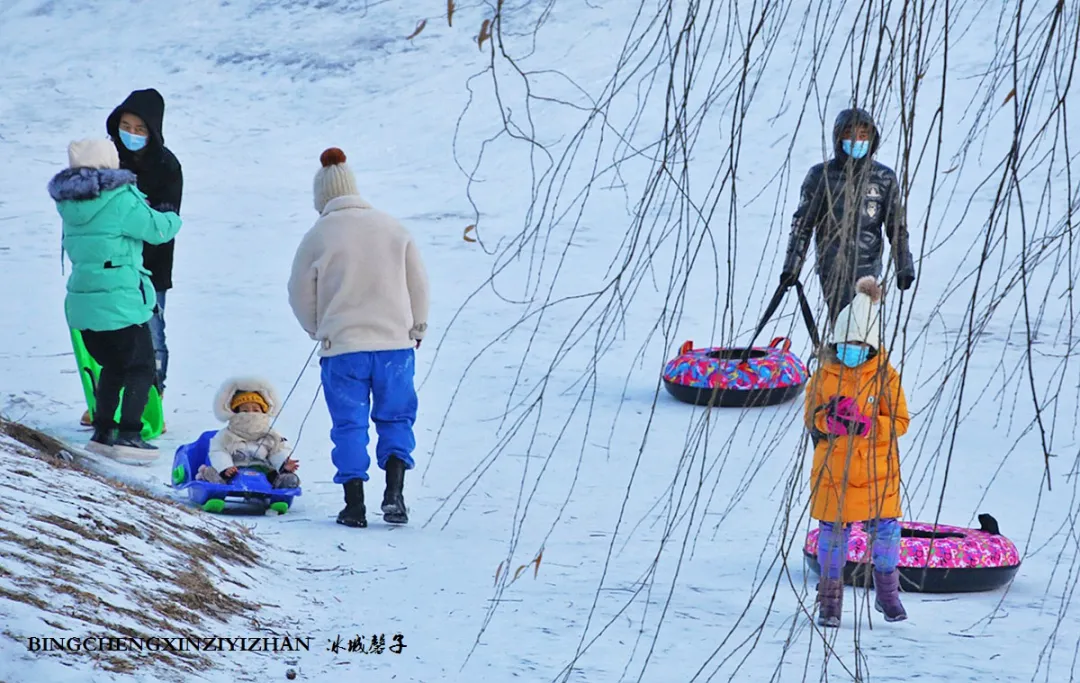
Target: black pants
[838, 289]
[126, 357]
[837, 297]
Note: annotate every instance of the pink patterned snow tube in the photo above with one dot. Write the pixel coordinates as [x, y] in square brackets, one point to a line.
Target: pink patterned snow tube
[717, 376]
[941, 559]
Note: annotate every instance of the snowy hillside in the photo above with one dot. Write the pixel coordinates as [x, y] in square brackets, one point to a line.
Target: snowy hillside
[630, 171]
[85, 556]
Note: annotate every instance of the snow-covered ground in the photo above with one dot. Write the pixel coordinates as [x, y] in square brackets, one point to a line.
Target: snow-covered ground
[665, 542]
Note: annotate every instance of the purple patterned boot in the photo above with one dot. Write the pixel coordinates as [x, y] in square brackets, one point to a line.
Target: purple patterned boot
[887, 590]
[830, 602]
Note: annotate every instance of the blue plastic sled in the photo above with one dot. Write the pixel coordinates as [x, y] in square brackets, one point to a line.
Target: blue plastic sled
[249, 487]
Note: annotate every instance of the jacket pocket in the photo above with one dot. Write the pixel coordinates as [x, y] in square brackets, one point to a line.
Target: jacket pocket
[844, 473]
[142, 290]
[860, 475]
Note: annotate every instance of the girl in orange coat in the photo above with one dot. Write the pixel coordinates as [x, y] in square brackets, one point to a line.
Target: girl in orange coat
[855, 409]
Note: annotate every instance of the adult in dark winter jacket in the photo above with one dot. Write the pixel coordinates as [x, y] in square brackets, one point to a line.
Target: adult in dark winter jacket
[844, 203]
[136, 129]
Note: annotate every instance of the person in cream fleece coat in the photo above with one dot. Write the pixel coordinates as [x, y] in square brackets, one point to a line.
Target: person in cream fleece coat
[358, 286]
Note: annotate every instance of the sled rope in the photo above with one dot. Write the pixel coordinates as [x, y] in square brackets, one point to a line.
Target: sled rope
[292, 390]
[300, 430]
[296, 383]
[778, 297]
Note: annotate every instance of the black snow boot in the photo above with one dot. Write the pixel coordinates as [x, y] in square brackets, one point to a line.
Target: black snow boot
[131, 446]
[102, 441]
[354, 514]
[393, 502]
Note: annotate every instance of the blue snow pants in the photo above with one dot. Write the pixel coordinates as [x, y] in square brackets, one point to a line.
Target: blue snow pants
[378, 384]
[833, 544]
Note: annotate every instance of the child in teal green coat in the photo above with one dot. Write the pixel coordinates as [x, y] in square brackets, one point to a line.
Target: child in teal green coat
[110, 297]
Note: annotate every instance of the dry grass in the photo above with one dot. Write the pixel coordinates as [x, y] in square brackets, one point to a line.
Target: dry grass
[199, 594]
[66, 565]
[39, 548]
[119, 665]
[137, 563]
[173, 610]
[226, 546]
[61, 456]
[97, 534]
[24, 597]
[78, 594]
[38, 442]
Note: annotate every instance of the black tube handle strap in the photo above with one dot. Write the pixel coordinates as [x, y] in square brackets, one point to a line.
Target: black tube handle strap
[808, 315]
[774, 303]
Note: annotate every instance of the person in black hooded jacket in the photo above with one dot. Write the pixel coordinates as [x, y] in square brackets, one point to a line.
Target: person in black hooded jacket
[136, 129]
[844, 203]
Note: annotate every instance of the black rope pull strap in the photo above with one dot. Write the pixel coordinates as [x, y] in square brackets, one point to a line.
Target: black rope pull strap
[774, 303]
[808, 315]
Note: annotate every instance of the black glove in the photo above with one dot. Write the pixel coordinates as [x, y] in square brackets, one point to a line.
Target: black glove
[904, 281]
[788, 279]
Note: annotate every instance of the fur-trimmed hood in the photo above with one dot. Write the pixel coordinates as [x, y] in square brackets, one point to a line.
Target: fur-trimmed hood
[75, 190]
[231, 386]
[77, 184]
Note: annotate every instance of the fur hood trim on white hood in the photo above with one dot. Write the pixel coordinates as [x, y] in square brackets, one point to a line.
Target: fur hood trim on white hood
[231, 386]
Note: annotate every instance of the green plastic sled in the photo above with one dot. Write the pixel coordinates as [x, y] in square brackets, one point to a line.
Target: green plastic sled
[153, 419]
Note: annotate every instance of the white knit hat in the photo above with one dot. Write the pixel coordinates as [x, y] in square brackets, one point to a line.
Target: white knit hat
[334, 179]
[859, 321]
[93, 154]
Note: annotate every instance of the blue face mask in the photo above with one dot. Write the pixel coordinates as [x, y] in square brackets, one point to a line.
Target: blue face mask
[856, 149]
[852, 355]
[132, 142]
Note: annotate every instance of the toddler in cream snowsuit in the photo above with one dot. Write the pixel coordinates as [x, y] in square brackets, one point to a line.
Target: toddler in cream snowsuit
[248, 405]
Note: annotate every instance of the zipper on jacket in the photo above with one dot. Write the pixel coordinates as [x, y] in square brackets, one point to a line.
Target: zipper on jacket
[142, 290]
